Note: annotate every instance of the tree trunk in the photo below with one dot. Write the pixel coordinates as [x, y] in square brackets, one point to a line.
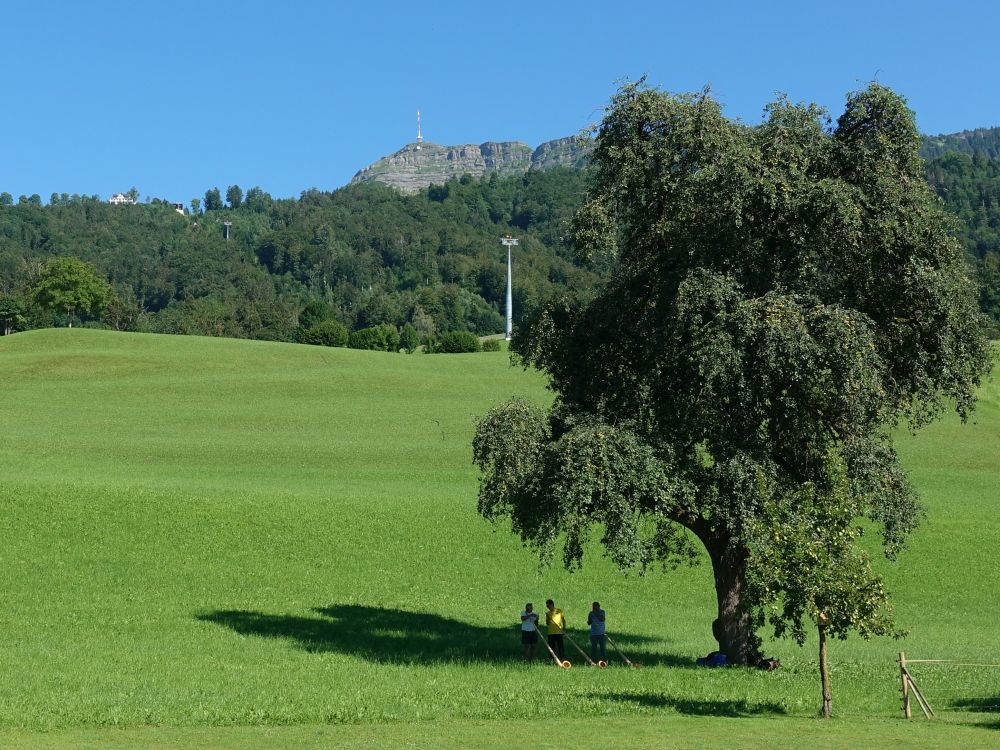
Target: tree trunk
[824, 673]
[734, 627]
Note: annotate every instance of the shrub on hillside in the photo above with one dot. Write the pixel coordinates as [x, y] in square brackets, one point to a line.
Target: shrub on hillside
[367, 338]
[324, 333]
[391, 336]
[491, 345]
[381, 338]
[409, 339]
[459, 342]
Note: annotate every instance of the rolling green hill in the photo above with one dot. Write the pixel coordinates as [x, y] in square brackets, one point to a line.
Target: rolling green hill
[210, 533]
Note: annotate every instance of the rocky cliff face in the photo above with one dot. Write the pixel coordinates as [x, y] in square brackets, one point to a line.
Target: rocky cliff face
[412, 167]
[572, 151]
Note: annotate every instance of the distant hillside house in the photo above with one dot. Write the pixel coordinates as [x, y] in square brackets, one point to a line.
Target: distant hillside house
[119, 198]
[178, 207]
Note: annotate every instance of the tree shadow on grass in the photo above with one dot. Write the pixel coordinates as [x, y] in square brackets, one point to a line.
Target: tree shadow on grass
[691, 707]
[987, 705]
[399, 636]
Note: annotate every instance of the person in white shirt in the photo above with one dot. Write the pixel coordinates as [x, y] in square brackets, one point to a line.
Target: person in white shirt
[529, 632]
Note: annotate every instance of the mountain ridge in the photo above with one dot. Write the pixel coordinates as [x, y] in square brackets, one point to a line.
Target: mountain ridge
[419, 165]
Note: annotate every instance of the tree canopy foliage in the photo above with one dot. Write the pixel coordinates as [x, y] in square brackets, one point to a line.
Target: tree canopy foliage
[969, 186]
[779, 297]
[71, 287]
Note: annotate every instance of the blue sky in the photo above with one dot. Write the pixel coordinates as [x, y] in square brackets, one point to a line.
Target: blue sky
[176, 98]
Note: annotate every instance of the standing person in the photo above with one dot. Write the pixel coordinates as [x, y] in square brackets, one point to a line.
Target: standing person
[555, 622]
[595, 618]
[529, 632]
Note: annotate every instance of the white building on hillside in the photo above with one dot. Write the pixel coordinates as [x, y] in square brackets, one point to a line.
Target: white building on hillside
[119, 198]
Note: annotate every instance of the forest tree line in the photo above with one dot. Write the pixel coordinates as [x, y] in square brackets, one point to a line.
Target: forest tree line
[969, 186]
[362, 256]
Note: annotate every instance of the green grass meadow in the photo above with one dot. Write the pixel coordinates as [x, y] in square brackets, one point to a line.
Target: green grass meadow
[222, 543]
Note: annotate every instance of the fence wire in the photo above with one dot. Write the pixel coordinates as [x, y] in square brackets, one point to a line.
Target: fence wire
[953, 686]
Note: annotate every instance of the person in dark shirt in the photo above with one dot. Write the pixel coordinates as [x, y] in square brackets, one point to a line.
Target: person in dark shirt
[596, 620]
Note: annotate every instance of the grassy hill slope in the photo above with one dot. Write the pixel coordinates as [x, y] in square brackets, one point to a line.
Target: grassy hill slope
[209, 532]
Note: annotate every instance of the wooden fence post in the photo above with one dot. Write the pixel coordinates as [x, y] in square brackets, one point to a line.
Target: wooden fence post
[906, 685]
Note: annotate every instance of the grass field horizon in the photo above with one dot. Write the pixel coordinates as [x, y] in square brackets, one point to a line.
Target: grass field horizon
[207, 533]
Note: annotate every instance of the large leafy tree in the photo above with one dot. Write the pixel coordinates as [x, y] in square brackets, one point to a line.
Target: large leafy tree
[12, 313]
[71, 286]
[234, 196]
[213, 200]
[781, 296]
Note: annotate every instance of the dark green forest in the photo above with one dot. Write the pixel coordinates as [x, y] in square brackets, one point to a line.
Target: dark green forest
[366, 256]
[969, 186]
[964, 170]
[363, 256]
[985, 141]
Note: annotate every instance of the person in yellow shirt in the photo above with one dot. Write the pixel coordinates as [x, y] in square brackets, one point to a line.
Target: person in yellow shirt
[556, 624]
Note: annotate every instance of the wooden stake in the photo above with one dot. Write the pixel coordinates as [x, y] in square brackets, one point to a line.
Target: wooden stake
[921, 700]
[904, 677]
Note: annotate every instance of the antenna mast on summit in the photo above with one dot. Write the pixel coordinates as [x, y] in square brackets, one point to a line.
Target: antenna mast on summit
[420, 138]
